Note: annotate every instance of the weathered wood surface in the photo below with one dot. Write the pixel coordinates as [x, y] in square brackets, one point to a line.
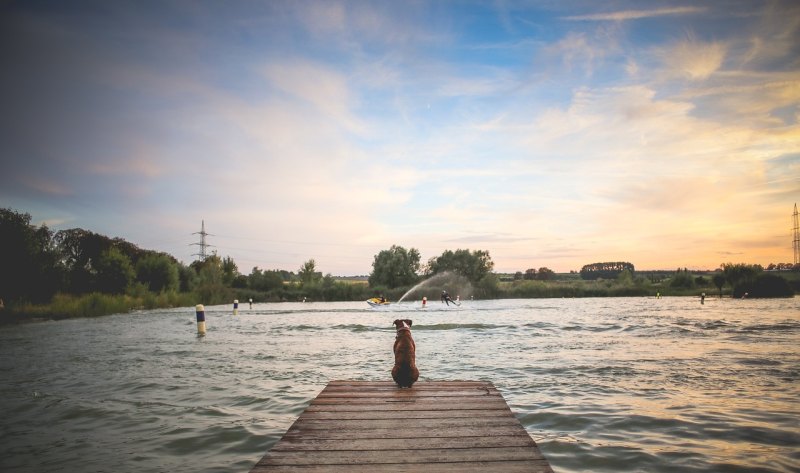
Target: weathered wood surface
[435, 426]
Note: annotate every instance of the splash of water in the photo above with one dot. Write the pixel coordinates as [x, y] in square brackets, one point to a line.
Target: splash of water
[453, 283]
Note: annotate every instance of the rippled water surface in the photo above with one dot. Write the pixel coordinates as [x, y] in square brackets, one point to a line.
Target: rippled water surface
[631, 384]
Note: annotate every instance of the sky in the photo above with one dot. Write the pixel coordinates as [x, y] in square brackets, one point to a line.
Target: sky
[549, 133]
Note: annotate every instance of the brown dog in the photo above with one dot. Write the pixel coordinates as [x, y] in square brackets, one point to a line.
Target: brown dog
[405, 371]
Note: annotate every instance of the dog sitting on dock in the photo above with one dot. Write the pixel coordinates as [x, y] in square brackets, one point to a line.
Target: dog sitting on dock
[405, 371]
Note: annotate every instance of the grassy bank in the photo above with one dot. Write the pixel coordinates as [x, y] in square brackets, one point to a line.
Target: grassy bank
[64, 306]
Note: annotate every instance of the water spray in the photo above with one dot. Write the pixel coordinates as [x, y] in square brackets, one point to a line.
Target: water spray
[453, 282]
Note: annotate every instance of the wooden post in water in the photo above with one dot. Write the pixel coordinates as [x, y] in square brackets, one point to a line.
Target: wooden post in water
[200, 312]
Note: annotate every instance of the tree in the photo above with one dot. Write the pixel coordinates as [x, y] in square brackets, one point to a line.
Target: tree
[80, 250]
[29, 265]
[472, 265]
[608, 270]
[113, 272]
[395, 267]
[308, 272]
[264, 280]
[530, 274]
[683, 279]
[770, 285]
[158, 271]
[187, 278]
[229, 270]
[545, 274]
[209, 270]
[719, 280]
[740, 275]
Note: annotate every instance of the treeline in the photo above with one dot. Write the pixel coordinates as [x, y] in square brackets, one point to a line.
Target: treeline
[605, 270]
[79, 272]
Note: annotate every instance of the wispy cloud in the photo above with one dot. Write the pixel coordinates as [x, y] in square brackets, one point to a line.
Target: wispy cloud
[693, 59]
[626, 15]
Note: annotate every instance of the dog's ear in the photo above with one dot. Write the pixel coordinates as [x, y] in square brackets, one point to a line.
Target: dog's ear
[408, 321]
[398, 323]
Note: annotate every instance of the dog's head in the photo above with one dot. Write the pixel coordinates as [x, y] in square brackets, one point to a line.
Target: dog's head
[402, 324]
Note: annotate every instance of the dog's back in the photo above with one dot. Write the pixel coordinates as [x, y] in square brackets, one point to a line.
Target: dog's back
[405, 371]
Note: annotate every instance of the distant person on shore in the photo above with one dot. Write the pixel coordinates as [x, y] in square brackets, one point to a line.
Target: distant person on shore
[703, 298]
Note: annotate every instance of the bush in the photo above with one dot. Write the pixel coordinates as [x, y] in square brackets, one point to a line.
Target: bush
[682, 279]
[766, 285]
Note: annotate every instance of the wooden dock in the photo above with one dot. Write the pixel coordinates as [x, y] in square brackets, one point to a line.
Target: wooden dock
[435, 426]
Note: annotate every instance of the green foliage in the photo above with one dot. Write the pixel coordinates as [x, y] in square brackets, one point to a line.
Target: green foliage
[187, 278]
[29, 265]
[264, 280]
[80, 250]
[545, 274]
[472, 265]
[768, 285]
[158, 272]
[488, 287]
[229, 271]
[740, 276]
[719, 280]
[308, 272]
[90, 305]
[113, 272]
[605, 270]
[683, 279]
[395, 267]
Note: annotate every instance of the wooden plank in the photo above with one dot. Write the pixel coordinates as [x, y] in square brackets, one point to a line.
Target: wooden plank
[423, 456]
[404, 414]
[534, 466]
[408, 432]
[435, 426]
[399, 424]
[300, 443]
[422, 404]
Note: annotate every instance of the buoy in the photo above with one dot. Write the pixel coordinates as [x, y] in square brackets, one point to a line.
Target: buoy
[236, 307]
[424, 301]
[201, 319]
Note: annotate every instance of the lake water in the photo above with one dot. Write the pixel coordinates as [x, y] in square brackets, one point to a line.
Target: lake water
[617, 384]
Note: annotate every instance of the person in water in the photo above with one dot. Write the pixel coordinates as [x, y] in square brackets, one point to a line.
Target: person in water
[446, 298]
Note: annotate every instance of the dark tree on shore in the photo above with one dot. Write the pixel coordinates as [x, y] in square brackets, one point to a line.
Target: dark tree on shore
[605, 270]
[719, 280]
[30, 269]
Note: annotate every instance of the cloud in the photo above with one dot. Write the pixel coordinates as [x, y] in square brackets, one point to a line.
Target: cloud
[321, 87]
[47, 186]
[626, 15]
[693, 59]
